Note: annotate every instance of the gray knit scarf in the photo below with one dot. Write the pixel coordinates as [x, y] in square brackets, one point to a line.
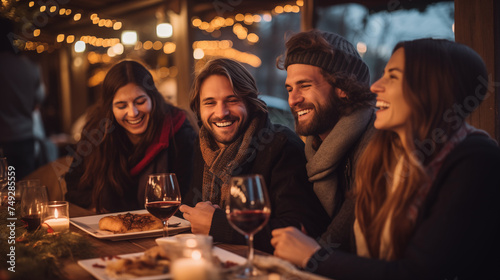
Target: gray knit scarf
[323, 163]
[220, 163]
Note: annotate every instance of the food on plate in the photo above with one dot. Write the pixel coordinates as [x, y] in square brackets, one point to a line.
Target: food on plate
[129, 222]
[153, 262]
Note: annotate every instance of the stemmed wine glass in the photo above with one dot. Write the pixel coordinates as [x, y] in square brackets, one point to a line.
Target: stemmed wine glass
[163, 197]
[248, 212]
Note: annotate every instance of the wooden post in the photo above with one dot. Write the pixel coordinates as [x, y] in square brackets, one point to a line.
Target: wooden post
[477, 25]
[182, 36]
[308, 15]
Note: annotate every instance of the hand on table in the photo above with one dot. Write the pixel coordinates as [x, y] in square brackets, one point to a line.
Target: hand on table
[200, 216]
[293, 245]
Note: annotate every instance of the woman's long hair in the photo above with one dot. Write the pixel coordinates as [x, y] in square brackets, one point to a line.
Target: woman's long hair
[112, 155]
[443, 82]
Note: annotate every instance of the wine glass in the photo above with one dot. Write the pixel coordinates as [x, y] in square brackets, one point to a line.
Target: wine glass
[33, 200]
[248, 212]
[163, 197]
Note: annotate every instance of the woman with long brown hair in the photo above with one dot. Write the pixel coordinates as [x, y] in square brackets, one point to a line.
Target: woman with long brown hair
[427, 185]
[131, 132]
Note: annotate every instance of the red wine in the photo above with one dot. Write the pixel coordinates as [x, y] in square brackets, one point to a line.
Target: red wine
[248, 221]
[163, 209]
[32, 222]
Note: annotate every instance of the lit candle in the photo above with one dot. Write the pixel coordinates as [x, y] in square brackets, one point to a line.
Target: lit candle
[58, 224]
[56, 216]
[193, 268]
[189, 269]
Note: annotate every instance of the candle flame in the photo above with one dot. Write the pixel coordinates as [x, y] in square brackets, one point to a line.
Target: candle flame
[196, 255]
[56, 214]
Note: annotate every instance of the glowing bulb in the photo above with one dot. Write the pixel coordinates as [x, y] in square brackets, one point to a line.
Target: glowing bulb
[196, 22]
[79, 47]
[129, 37]
[164, 30]
[198, 53]
[70, 39]
[118, 49]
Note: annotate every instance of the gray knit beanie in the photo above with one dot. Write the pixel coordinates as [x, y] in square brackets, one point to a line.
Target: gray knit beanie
[344, 59]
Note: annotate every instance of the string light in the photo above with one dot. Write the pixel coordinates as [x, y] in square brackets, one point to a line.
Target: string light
[169, 48]
[253, 38]
[196, 22]
[239, 17]
[241, 32]
[198, 53]
[79, 46]
[147, 45]
[70, 39]
[157, 45]
[117, 25]
[213, 27]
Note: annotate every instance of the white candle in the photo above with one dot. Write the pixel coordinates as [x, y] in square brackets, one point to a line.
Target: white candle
[58, 224]
[57, 220]
[190, 269]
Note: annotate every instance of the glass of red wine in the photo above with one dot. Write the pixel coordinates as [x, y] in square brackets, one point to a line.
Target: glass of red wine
[33, 200]
[163, 197]
[248, 212]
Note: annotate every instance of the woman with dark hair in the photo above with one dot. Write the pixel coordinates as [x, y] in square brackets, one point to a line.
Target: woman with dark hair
[426, 196]
[130, 133]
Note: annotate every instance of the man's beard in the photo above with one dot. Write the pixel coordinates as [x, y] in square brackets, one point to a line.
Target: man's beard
[324, 119]
[220, 137]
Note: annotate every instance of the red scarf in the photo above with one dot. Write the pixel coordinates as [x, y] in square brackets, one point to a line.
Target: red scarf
[171, 124]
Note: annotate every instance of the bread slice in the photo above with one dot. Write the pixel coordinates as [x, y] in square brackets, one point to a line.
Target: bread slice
[129, 223]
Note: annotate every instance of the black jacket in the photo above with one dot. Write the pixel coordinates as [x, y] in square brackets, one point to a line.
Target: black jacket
[457, 231]
[278, 155]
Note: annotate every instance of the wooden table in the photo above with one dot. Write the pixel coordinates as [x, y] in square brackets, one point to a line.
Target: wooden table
[110, 248]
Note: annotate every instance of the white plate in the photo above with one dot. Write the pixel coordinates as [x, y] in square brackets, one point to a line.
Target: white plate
[90, 224]
[100, 273]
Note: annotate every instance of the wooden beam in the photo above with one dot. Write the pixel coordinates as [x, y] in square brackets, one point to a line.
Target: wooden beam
[477, 25]
[308, 14]
[65, 78]
[182, 36]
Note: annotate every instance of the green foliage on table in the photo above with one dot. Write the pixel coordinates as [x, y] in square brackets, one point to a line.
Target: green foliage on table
[38, 254]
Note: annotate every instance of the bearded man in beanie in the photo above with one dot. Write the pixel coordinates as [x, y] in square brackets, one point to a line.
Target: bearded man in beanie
[329, 96]
[237, 138]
